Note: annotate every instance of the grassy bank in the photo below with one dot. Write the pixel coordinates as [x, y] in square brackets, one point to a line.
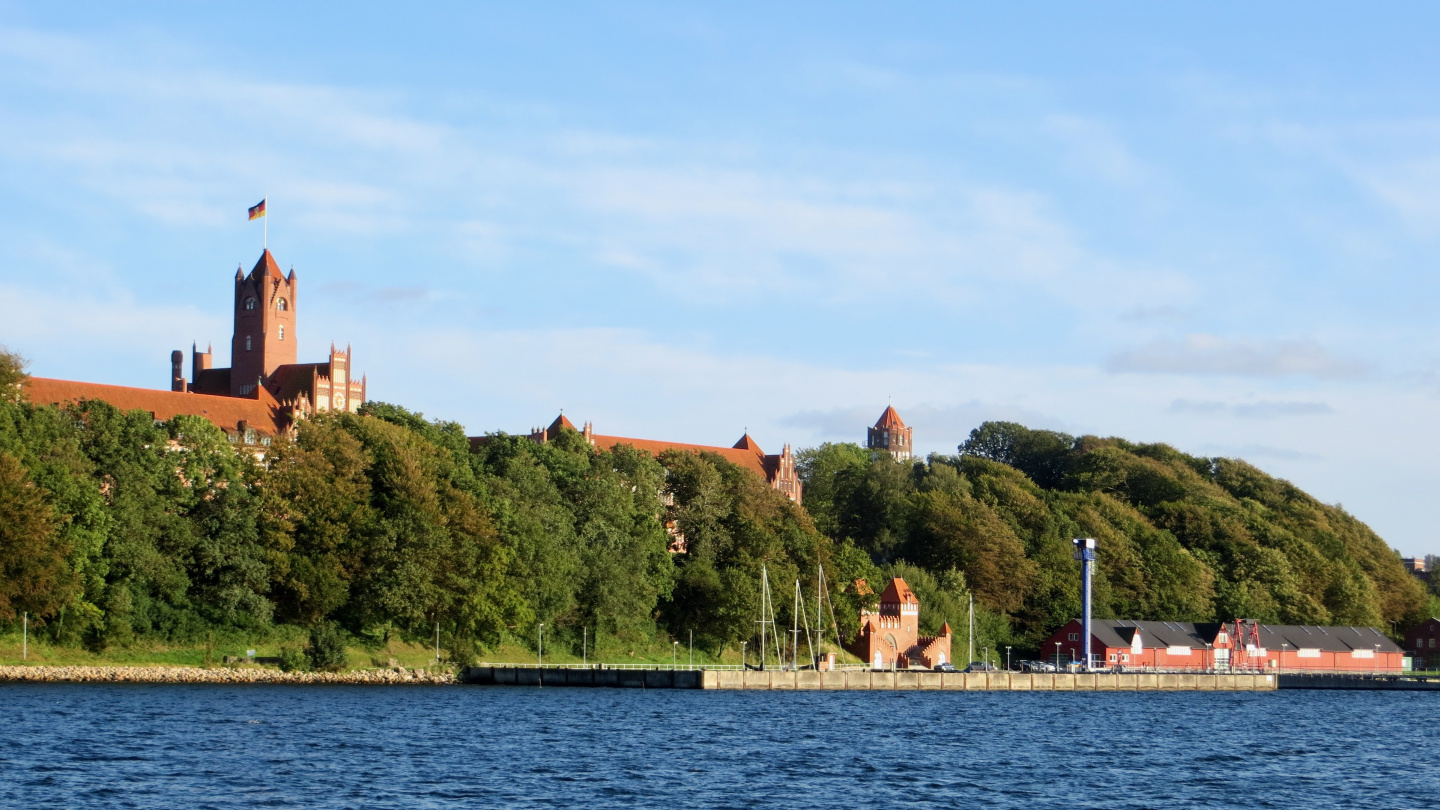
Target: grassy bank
[395, 653]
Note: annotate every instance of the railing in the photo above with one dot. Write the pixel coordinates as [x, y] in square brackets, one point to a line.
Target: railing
[677, 667]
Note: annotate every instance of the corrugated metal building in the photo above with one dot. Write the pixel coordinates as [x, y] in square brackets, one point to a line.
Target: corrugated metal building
[1244, 645]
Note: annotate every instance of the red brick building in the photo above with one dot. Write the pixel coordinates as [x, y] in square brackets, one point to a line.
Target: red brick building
[1246, 645]
[264, 391]
[778, 469]
[890, 636]
[1423, 644]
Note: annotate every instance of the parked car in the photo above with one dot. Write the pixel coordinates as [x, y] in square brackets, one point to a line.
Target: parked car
[944, 666]
[1038, 666]
[981, 666]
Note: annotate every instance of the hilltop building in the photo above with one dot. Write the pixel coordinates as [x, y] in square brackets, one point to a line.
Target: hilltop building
[890, 636]
[264, 391]
[890, 435]
[1242, 645]
[778, 469]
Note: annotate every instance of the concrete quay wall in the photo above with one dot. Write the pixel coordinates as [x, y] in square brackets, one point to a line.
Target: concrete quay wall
[989, 681]
[864, 679]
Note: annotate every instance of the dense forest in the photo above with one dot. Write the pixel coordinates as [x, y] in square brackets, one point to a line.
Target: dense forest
[118, 530]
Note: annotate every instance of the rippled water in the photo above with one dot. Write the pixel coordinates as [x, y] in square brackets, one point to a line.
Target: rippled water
[287, 746]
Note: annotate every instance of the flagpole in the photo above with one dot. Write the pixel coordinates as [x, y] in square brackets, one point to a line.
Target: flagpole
[265, 233]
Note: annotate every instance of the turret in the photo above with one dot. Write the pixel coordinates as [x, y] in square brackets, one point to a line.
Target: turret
[177, 371]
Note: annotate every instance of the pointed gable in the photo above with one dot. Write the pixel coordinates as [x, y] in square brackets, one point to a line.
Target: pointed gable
[890, 419]
[747, 443]
[267, 268]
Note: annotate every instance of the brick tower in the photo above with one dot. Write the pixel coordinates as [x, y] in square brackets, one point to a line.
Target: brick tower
[264, 336]
[890, 435]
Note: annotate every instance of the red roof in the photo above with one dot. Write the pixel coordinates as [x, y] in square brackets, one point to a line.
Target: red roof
[751, 459]
[890, 419]
[227, 413]
[898, 591]
[267, 267]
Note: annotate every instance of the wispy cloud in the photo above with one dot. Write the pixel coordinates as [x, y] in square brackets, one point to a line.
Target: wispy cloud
[1210, 354]
[1251, 410]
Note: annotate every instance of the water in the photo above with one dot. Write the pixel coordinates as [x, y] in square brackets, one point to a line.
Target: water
[419, 747]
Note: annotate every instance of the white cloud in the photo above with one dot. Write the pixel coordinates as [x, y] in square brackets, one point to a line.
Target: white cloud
[1264, 409]
[1210, 354]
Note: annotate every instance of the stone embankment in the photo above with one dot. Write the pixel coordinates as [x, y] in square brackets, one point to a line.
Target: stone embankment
[77, 674]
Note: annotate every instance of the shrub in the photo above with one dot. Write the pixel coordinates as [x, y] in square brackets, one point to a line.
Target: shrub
[293, 659]
[326, 649]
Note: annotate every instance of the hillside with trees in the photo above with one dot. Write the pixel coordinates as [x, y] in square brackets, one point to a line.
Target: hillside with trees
[1180, 537]
[117, 530]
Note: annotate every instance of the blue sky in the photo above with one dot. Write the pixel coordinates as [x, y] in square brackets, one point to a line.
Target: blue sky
[1215, 229]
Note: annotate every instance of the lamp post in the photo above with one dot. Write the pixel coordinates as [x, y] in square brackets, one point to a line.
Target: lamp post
[1007, 659]
[692, 649]
[674, 653]
[1280, 665]
[742, 656]
[1057, 656]
[894, 657]
[540, 646]
[1377, 659]
[986, 654]
[585, 647]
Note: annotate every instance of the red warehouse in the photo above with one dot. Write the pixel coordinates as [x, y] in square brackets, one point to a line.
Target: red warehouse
[1236, 645]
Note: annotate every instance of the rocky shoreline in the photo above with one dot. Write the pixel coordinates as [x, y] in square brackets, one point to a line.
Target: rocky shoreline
[163, 674]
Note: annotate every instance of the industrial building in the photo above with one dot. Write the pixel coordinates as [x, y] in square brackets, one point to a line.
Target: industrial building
[1240, 645]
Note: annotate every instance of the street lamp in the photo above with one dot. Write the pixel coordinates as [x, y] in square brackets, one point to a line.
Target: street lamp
[742, 656]
[1057, 656]
[674, 653]
[692, 649]
[986, 653]
[1007, 659]
[540, 647]
[1377, 659]
[1281, 663]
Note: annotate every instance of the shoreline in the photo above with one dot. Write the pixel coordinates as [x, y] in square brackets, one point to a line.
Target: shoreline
[43, 673]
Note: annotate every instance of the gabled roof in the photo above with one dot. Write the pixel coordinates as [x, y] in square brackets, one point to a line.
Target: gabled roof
[890, 419]
[266, 267]
[748, 459]
[945, 631]
[263, 413]
[898, 591]
[747, 443]
[1196, 635]
[292, 379]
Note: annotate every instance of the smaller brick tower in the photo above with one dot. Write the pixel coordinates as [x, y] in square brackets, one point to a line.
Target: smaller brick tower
[890, 435]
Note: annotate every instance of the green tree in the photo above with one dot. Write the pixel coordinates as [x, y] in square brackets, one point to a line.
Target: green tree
[34, 575]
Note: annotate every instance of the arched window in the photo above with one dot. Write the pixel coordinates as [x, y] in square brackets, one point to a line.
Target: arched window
[282, 331]
[247, 343]
[281, 305]
[249, 303]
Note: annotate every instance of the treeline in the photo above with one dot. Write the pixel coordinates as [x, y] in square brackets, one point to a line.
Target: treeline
[1179, 537]
[116, 529]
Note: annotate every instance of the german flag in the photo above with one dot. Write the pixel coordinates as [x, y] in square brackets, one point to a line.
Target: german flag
[258, 210]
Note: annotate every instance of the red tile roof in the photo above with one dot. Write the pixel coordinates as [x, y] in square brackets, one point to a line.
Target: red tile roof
[752, 458]
[890, 419]
[898, 591]
[267, 267]
[227, 413]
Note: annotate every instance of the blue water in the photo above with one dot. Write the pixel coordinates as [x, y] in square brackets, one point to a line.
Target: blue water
[420, 747]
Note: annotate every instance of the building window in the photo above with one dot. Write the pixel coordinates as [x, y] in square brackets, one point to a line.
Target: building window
[282, 331]
[247, 343]
[249, 303]
[1074, 637]
[281, 305]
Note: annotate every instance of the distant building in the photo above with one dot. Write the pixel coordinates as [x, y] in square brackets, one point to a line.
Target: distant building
[890, 435]
[778, 469]
[262, 394]
[890, 637]
[1423, 644]
[1246, 645]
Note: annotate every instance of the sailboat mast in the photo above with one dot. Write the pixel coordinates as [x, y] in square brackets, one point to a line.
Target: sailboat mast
[795, 631]
[764, 591]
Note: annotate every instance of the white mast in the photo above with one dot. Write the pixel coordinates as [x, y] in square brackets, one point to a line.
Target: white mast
[972, 630]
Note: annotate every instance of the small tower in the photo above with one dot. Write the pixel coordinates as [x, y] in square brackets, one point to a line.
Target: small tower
[890, 435]
[177, 371]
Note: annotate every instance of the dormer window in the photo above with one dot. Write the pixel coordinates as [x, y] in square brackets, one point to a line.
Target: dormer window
[281, 305]
[249, 303]
[247, 343]
[282, 331]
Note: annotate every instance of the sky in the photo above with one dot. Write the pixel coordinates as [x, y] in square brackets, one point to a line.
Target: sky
[1214, 228]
